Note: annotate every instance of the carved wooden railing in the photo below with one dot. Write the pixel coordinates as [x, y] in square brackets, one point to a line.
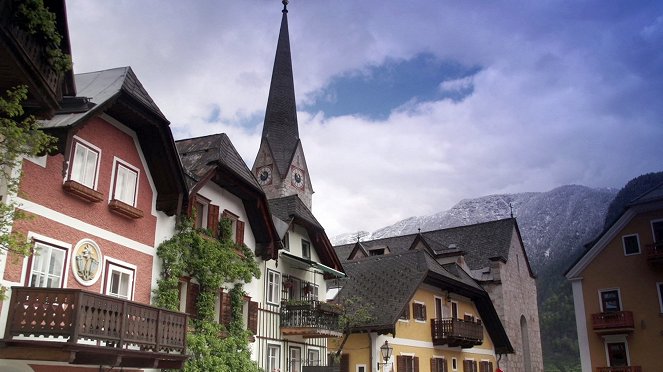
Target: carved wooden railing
[456, 332]
[74, 315]
[654, 252]
[318, 317]
[619, 369]
[612, 320]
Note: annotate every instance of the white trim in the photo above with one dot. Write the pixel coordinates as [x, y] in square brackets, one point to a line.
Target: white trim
[77, 224]
[454, 360]
[39, 160]
[429, 345]
[619, 297]
[277, 344]
[25, 270]
[357, 366]
[659, 289]
[637, 238]
[438, 316]
[615, 339]
[402, 353]
[414, 316]
[651, 224]
[72, 155]
[277, 285]
[121, 266]
[581, 325]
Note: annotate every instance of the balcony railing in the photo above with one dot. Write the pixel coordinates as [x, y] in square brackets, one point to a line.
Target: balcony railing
[310, 319]
[80, 327]
[654, 252]
[456, 332]
[619, 369]
[617, 321]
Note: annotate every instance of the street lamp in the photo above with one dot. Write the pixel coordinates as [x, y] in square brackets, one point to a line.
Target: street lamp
[385, 352]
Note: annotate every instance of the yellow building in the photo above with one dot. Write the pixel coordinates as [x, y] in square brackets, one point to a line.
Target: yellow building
[618, 291]
[434, 317]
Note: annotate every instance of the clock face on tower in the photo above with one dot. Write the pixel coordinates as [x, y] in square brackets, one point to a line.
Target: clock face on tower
[297, 178]
[265, 175]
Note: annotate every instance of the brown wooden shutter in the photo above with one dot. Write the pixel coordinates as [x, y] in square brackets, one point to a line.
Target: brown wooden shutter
[423, 312]
[213, 219]
[239, 233]
[345, 363]
[433, 365]
[400, 363]
[192, 293]
[467, 366]
[253, 317]
[415, 363]
[444, 368]
[225, 315]
[192, 202]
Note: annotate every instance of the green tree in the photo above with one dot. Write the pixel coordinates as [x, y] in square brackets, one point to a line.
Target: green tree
[211, 262]
[20, 136]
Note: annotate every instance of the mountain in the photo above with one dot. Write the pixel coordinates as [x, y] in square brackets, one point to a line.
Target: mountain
[553, 224]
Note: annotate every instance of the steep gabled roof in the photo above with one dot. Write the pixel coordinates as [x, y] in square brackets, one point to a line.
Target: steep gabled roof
[213, 158]
[385, 285]
[118, 93]
[291, 209]
[280, 128]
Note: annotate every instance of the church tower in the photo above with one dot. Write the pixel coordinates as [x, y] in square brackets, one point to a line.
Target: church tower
[280, 166]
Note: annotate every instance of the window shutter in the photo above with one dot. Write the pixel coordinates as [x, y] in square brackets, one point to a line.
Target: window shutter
[225, 315]
[433, 365]
[193, 290]
[213, 219]
[253, 317]
[423, 312]
[415, 364]
[345, 363]
[239, 233]
[467, 367]
[192, 202]
[443, 363]
[400, 363]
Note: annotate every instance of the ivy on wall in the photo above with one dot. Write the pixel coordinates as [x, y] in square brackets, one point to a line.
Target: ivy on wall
[211, 262]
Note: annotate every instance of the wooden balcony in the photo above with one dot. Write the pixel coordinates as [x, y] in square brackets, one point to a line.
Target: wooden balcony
[613, 322]
[79, 327]
[310, 319]
[24, 60]
[619, 369]
[456, 332]
[654, 253]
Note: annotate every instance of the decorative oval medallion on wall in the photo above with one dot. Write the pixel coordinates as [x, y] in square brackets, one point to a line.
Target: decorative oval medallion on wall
[86, 264]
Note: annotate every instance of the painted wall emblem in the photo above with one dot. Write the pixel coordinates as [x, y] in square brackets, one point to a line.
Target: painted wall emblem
[86, 262]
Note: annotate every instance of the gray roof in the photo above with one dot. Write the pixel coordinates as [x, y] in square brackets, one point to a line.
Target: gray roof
[289, 207]
[202, 154]
[652, 195]
[480, 242]
[280, 129]
[102, 87]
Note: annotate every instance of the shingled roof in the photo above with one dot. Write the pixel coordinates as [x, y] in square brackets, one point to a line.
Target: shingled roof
[280, 129]
[386, 284]
[118, 93]
[479, 242]
[291, 209]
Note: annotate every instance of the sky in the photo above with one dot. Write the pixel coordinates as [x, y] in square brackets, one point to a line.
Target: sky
[405, 107]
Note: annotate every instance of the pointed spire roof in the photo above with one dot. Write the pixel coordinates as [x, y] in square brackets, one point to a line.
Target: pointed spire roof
[280, 129]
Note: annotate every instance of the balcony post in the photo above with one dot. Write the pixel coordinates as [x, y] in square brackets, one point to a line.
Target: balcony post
[74, 316]
[123, 323]
[159, 330]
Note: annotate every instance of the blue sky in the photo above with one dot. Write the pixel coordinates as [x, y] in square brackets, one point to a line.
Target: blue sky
[405, 108]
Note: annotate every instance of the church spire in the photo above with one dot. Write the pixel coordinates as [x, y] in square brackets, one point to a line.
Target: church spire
[280, 128]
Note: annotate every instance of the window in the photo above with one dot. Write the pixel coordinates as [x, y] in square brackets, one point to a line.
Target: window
[439, 365]
[438, 308]
[454, 310]
[361, 368]
[47, 267]
[405, 315]
[295, 359]
[617, 356]
[659, 287]
[84, 165]
[273, 358]
[419, 311]
[631, 244]
[273, 287]
[407, 363]
[486, 366]
[454, 364]
[610, 300]
[470, 366]
[313, 357]
[236, 226]
[306, 249]
[126, 184]
[119, 281]
[657, 230]
[286, 242]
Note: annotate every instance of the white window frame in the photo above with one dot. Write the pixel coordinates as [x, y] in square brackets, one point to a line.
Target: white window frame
[293, 362]
[111, 265]
[119, 164]
[659, 291]
[313, 351]
[614, 339]
[637, 238]
[358, 366]
[286, 241]
[51, 244]
[414, 316]
[619, 296]
[454, 364]
[308, 257]
[73, 163]
[273, 360]
[438, 316]
[273, 283]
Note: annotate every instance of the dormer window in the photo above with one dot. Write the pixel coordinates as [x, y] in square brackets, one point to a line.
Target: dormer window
[126, 183]
[84, 164]
[376, 252]
[306, 249]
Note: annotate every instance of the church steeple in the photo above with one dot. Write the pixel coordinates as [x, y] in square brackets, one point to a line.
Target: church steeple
[280, 166]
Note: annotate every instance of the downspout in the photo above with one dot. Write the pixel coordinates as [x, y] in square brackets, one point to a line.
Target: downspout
[372, 342]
